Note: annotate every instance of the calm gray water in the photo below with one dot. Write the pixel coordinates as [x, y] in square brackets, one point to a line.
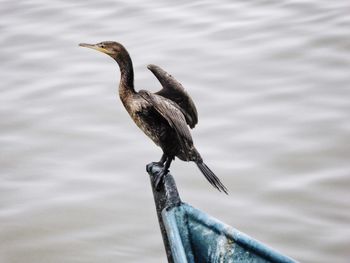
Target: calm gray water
[271, 83]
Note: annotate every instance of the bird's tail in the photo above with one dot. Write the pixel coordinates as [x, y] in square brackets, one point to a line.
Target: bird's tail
[211, 177]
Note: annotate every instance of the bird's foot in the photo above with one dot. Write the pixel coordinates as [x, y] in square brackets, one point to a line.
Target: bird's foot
[150, 165]
[159, 178]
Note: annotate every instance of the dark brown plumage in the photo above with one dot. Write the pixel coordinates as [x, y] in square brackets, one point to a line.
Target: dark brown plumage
[163, 116]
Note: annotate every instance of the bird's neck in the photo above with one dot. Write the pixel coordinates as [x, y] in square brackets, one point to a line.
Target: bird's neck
[126, 85]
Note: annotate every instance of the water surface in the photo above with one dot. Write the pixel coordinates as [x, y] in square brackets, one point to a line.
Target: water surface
[271, 83]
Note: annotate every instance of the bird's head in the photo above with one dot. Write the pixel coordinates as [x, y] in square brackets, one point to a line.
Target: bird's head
[111, 48]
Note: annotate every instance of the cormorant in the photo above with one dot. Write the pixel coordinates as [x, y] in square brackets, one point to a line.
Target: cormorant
[163, 116]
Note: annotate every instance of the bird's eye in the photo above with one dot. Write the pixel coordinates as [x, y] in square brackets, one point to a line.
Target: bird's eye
[103, 46]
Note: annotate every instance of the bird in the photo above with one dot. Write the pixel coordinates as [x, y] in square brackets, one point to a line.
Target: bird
[165, 116]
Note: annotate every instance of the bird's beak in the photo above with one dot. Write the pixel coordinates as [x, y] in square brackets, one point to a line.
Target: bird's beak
[96, 47]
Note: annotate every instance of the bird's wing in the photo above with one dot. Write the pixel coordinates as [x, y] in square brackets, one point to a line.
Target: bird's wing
[172, 114]
[173, 90]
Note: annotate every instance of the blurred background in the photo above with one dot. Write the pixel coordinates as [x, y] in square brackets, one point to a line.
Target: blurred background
[271, 83]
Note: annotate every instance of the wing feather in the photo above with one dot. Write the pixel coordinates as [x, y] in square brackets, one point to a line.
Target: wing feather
[173, 90]
[172, 114]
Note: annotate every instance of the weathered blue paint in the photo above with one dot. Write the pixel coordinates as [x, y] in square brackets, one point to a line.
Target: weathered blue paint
[191, 236]
[197, 237]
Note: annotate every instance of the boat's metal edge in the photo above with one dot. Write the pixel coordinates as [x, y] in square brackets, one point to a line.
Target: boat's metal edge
[174, 237]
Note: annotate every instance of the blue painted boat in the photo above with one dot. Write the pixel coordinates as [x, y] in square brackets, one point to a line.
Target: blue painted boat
[192, 236]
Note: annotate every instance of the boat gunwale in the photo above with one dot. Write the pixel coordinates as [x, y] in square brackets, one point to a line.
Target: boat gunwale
[170, 214]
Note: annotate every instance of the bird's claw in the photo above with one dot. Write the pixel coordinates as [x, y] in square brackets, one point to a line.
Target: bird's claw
[150, 165]
[158, 164]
